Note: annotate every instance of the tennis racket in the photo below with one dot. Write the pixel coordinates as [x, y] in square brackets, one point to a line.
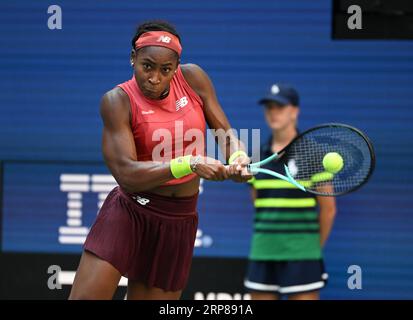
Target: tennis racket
[329, 160]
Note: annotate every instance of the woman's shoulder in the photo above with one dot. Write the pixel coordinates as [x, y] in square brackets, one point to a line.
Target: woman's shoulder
[114, 101]
[190, 68]
[196, 77]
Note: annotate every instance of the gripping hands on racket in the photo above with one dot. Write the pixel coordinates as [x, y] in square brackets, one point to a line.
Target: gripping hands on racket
[213, 169]
[239, 171]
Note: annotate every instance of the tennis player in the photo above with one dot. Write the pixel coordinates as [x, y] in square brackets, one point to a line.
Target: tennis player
[290, 226]
[153, 144]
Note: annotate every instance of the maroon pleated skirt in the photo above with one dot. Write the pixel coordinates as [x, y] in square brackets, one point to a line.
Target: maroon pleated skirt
[147, 237]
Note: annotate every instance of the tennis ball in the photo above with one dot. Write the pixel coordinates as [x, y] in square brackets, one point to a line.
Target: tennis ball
[333, 162]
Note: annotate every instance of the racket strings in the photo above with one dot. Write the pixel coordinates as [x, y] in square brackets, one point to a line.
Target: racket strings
[308, 153]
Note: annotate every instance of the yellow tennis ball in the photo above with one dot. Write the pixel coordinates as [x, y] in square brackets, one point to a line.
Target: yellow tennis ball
[333, 162]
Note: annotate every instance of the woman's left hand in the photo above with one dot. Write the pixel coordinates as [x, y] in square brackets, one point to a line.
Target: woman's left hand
[238, 170]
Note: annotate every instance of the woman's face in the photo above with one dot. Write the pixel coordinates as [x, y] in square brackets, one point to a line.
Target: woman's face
[154, 68]
[280, 117]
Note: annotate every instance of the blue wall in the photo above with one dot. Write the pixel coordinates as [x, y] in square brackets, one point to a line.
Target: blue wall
[52, 81]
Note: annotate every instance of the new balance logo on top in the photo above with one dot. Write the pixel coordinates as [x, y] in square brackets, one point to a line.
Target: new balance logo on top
[141, 200]
[181, 103]
[164, 39]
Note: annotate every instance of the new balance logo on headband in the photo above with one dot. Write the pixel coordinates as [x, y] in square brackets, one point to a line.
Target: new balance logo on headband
[164, 39]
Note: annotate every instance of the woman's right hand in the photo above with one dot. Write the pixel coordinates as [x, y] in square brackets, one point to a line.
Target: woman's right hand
[210, 169]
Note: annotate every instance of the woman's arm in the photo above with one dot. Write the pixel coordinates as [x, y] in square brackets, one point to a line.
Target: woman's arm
[327, 207]
[119, 150]
[253, 194]
[215, 116]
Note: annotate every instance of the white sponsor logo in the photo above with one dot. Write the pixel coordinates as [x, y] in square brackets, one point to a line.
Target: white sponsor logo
[275, 89]
[203, 240]
[164, 39]
[65, 277]
[141, 200]
[147, 112]
[292, 167]
[221, 296]
[76, 185]
[181, 103]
